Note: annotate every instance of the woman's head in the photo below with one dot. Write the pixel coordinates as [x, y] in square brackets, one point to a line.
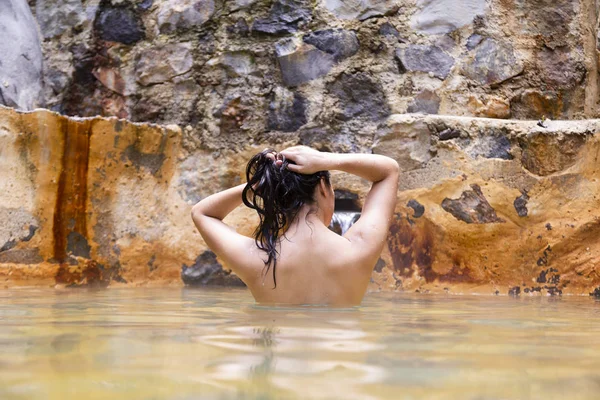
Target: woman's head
[277, 194]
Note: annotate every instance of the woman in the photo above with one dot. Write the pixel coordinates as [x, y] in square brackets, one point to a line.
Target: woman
[294, 258]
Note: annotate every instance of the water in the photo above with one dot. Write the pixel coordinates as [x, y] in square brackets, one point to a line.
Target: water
[215, 344]
[343, 220]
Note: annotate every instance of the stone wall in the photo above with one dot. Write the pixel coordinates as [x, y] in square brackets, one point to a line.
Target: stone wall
[240, 71]
[484, 206]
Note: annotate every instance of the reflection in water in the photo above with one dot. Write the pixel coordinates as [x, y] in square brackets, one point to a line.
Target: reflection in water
[180, 344]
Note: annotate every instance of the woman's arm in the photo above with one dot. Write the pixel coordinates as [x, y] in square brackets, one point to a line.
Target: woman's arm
[371, 229]
[230, 246]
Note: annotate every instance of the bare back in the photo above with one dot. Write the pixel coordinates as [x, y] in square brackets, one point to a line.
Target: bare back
[315, 266]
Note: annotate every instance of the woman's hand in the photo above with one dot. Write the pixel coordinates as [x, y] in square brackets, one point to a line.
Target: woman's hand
[307, 160]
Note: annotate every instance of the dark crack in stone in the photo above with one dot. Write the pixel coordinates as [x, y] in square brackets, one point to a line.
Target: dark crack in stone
[359, 96]
[426, 102]
[339, 43]
[206, 270]
[285, 17]
[287, 111]
[422, 58]
[119, 24]
[417, 207]
[492, 63]
[472, 207]
[520, 204]
[448, 134]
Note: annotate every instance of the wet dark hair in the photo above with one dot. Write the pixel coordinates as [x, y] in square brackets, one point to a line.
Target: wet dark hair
[277, 197]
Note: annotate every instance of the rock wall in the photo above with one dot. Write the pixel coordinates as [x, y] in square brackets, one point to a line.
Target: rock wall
[241, 71]
[484, 206]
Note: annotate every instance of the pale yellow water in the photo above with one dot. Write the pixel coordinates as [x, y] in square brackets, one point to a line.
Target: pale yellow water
[215, 344]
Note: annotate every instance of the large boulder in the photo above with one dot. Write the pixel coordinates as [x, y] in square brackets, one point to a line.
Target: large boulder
[20, 56]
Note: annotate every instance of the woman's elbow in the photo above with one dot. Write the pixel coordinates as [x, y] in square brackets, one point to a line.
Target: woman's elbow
[197, 213]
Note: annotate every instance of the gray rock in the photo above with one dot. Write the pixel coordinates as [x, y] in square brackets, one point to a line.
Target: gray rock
[473, 41]
[361, 9]
[409, 144]
[492, 63]
[206, 270]
[57, 16]
[359, 96]
[287, 111]
[559, 68]
[20, 56]
[239, 63]
[520, 204]
[162, 63]
[119, 24]
[472, 207]
[285, 16]
[184, 14]
[444, 16]
[300, 62]
[339, 43]
[424, 58]
[387, 29]
[426, 102]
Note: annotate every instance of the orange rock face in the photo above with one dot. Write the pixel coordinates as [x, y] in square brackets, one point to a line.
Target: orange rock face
[485, 206]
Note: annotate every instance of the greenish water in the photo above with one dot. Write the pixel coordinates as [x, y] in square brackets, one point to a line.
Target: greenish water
[215, 344]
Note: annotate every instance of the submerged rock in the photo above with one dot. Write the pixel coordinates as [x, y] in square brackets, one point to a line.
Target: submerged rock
[20, 56]
[206, 270]
[422, 58]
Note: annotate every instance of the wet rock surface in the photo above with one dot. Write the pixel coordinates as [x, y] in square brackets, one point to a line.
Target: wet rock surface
[464, 222]
[421, 58]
